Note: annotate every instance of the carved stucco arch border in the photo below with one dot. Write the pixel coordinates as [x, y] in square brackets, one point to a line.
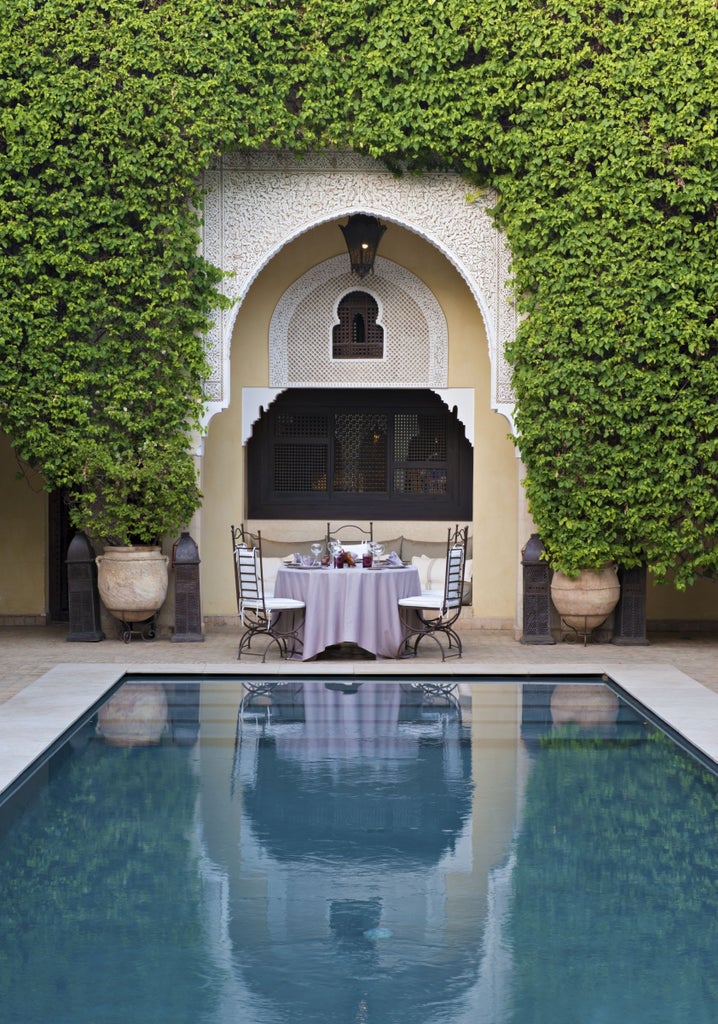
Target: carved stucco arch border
[254, 206]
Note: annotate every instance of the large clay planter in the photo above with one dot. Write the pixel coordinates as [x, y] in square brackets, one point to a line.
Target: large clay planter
[586, 600]
[132, 581]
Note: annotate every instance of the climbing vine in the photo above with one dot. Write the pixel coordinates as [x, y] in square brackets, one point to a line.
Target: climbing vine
[594, 121]
[610, 200]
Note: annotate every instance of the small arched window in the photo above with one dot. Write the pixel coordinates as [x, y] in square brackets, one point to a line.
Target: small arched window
[357, 335]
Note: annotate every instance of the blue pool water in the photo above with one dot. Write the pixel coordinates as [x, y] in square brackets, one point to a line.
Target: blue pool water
[374, 853]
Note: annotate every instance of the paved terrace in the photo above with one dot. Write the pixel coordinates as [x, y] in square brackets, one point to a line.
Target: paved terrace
[27, 652]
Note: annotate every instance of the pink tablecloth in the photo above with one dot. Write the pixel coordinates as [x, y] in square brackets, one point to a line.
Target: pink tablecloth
[350, 606]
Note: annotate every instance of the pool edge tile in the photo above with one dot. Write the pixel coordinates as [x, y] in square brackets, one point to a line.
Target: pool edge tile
[32, 719]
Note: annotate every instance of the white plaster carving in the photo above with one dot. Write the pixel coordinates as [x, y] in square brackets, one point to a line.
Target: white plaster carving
[255, 205]
[415, 333]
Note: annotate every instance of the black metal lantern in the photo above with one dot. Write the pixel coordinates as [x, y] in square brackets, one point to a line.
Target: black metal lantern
[188, 613]
[82, 594]
[362, 235]
[537, 594]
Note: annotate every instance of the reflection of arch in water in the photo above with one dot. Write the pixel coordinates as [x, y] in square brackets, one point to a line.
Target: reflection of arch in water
[292, 917]
[354, 809]
[357, 768]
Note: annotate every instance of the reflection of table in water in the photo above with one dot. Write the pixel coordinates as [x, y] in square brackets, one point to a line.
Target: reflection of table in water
[350, 606]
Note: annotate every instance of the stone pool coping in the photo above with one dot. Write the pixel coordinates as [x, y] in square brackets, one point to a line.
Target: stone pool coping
[33, 719]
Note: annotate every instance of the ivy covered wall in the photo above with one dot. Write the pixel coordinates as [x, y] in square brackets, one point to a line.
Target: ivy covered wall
[596, 122]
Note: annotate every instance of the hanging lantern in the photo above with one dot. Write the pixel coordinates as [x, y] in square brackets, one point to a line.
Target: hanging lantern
[362, 235]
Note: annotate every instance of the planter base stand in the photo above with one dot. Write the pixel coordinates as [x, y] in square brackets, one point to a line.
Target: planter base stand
[139, 630]
[576, 632]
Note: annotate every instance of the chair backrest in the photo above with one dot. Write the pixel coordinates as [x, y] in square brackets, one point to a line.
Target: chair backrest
[350, 533]
[455, 560]
[248, 574]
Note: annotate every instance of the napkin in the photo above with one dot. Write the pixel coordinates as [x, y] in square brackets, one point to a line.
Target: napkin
[393, 559]
[304, 559]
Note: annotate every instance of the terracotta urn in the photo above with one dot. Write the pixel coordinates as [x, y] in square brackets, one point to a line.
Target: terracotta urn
[132, 581]
[135, 717]
[586, 600]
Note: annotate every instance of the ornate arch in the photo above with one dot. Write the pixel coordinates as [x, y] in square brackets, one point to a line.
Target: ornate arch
[248, 219]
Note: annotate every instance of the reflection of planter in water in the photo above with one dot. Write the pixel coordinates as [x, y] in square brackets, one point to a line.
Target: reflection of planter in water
[132, 581]
[586, 600]
[583, 705]
[135, 717]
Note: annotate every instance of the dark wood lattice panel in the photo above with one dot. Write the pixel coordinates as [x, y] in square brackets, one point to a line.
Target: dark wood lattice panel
[420, 453]
[355, 452]
[360, 452]
[357, 335]
[301, 467]
[301, 425]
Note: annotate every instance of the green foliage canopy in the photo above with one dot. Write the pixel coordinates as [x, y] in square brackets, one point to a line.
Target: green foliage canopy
[594, 121]
[109, 113]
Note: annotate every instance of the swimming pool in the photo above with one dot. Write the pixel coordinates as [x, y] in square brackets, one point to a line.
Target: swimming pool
[328, 851]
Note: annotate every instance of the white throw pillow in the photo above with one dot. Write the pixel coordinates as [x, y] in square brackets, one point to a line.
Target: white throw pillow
[357, 550]
[422, 563]
[269, 569]
[436, 574]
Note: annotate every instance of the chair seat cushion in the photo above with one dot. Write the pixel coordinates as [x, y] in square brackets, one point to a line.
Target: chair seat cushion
[279, 604]
[425, 600]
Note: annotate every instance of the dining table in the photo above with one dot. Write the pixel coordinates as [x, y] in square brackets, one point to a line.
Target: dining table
[350, 605]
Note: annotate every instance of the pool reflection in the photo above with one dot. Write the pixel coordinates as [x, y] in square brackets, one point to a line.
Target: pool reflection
[352, 872]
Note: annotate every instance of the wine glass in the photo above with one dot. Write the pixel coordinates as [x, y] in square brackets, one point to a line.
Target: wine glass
[378, 551]
[316, 552]
[334, 549]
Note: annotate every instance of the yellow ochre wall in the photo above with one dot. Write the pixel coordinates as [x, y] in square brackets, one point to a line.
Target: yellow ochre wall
[23, 544]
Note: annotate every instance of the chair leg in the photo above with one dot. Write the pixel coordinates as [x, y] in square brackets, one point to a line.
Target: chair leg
[454, 641]
[245, 644]
[409, 647]
[287, 643]
[290, 639]
[434, 634]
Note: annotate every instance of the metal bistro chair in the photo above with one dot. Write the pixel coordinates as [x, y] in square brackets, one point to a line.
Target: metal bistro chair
[350, 535]
[262, 613]
[433, 613]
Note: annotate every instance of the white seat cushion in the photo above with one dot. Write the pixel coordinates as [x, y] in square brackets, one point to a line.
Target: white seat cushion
[425, 600]
[276, 604]
[279, 604]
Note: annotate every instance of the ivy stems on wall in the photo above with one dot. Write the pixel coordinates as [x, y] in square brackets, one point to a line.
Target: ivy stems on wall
[595, 121]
